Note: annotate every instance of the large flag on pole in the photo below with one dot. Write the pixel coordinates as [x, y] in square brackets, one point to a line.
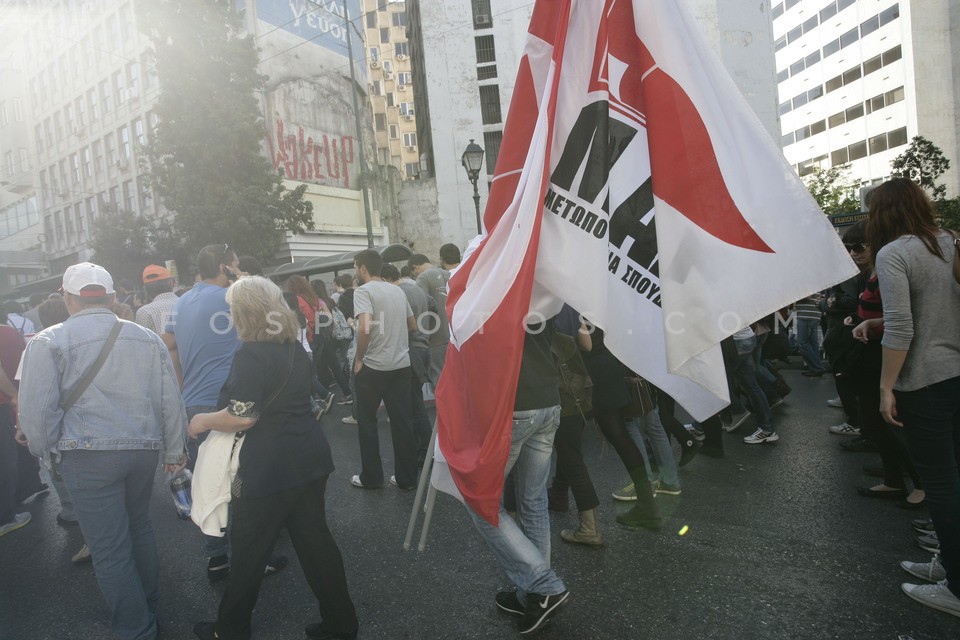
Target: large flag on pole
[635, 184]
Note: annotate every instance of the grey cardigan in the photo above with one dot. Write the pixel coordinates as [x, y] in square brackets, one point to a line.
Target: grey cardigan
[921, 310]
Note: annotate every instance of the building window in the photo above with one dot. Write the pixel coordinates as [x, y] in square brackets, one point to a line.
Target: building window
[490, 104]
[412, 169]
[10, 164]
[110, 149]
[387, 66]
[106, 96]
[486, 51]
[378, 87]
[94, 104]
[129, 196]
[381, 121]
[410, 139]
[404, 78]
[897, 138]
[97, 156]
[374, 54]
[146, 198]
[390, 100]
[399, 19]
[87, 162]
[394, 132]
[406, 108]
[123, 135]
[491, 144]
[384, 35]
[372, 20]
[401, 49]
[481, 14]
[75, 168]
[119, 83]
[487, 72]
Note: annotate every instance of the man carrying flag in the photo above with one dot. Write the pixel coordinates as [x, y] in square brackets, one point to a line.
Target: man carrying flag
[629, 152]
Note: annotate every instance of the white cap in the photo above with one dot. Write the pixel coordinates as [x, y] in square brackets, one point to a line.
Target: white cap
[87, 274]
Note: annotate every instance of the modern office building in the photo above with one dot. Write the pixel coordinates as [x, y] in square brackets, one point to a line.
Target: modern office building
[390, 85]
[465, 59]
[77, 92]
[858, 79]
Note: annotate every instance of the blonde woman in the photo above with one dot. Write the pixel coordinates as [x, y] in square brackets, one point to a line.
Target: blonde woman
[284, 464]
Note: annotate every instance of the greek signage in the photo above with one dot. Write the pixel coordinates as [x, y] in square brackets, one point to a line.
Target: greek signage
[320, 22]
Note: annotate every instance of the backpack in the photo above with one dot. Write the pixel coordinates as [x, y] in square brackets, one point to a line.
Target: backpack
[341, 330]
[576, 387]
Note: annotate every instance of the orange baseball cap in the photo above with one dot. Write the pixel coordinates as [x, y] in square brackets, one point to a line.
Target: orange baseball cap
[155, 273]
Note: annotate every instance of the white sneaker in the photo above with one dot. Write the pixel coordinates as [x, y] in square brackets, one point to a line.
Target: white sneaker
[19, 520]
[349, 420]
[844, 429]
[736, 421]
[761, 437]
[931, 571]
[835, 402]
[936, 596]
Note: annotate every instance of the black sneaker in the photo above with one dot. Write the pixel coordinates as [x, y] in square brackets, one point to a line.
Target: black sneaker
[218, 568]
[540, 609]
[858, 445]
[316, 631]
[509, 602]
[275, 563]
[690, 448]
[923, 526]
[205, 630]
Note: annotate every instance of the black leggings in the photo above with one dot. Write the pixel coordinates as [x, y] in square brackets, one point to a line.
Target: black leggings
[611, 425]
[571, 470]
[326, 360]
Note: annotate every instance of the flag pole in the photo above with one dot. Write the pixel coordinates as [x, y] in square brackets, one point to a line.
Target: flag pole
[418, 500]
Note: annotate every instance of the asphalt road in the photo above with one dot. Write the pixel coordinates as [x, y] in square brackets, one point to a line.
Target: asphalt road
[779, 546]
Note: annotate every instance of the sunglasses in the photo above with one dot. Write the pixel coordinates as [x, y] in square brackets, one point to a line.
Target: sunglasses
[856, 247]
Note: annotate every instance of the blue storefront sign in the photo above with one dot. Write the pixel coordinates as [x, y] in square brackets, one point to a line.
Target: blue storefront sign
[319, 22]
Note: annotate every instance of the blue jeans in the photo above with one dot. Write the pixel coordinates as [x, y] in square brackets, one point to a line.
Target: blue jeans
[931, 425]
[111, 492]
[649, 426]
[522, 547]
[213, 545]
[808, 343]
[746, 375]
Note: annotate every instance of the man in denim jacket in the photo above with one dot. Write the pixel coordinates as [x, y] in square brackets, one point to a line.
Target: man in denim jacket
[110, 441]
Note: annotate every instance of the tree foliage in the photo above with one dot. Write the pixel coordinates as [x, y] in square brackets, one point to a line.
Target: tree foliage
[124, 243]
[205, 160]
[923, 162]
[833, 190]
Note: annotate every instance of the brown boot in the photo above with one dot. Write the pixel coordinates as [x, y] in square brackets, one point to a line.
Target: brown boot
[587, 533]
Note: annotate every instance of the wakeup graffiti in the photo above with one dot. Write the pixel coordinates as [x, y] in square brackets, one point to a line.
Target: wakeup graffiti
[325, 159]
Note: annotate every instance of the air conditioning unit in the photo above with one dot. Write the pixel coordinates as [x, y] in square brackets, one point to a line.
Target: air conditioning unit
[400, 56]
[408, 116]
[123, 164]
[374, 64]
[402, 87]
[481, 19]
[410, 148]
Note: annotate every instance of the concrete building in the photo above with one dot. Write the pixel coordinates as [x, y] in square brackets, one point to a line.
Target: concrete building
[465, 59]
[78, 91]
[21, 260]
[858, 79]
[390, 86]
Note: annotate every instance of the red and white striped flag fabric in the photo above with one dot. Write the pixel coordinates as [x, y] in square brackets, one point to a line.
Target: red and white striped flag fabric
[635, 184]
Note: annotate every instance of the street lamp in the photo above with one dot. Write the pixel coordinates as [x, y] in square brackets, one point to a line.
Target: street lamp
[471, 160]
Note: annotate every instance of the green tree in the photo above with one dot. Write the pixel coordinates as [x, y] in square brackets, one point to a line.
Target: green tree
[923, 162]
[124, 243]
[833, 190]
[204, 158]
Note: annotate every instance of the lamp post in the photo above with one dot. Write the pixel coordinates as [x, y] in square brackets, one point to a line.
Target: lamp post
[472, 159]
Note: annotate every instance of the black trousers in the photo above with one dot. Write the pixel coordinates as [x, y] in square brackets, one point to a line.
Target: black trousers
[422, 429]
[393, 388]
[612, 426]
[571, 470]
[889, 439]
[847, 390]
[256, 526]
[326, 361]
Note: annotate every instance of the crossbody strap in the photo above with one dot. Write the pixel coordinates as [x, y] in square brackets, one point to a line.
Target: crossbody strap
[94, 369]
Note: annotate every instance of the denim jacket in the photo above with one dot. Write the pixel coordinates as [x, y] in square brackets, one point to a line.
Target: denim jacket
[133, 403]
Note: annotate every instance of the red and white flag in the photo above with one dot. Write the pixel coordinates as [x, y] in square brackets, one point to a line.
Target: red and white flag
[635, 184]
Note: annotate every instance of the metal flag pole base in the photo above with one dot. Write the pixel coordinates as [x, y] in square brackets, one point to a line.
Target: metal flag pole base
[423, 484]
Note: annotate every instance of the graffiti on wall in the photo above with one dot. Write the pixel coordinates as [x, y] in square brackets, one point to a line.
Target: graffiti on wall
[311, 156]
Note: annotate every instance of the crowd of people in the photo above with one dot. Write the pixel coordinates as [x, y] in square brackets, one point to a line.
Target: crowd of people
[231, 378]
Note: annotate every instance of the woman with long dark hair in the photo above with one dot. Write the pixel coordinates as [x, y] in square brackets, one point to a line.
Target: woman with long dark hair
[328, 347]
[920, 378]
